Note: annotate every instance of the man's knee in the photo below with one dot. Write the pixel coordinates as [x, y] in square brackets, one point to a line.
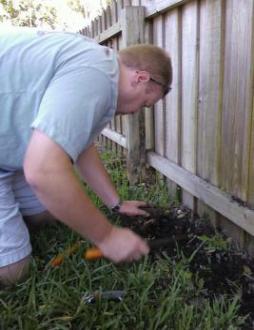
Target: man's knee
[14, 273]
[36, 221]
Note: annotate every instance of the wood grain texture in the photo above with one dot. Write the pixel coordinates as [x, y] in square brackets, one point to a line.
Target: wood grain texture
[189, 85]
[133, 33]
[159, 109]
[209, 96]
[149, 112]
[189, 80]
[104, 20]
[173, 99]
[250, 105]
[237, 98]
[109, 10]
[210, 84]
[114, 12]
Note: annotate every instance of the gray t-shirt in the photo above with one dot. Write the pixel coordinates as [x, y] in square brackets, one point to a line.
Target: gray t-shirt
[60, 83]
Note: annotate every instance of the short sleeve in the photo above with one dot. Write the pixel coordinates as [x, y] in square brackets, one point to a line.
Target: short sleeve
[75, 107]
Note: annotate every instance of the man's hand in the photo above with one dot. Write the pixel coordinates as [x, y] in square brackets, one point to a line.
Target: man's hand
[133, 208]
[123, 245]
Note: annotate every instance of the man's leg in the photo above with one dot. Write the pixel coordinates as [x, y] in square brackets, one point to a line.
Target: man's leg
[18, 207]
[15, 272]
[18, 271]
[15, 247]
[38, 221]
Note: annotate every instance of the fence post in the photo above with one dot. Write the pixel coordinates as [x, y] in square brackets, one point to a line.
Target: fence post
[132, 22]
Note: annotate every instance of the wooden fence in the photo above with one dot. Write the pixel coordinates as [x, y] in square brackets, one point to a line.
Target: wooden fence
[201, 135]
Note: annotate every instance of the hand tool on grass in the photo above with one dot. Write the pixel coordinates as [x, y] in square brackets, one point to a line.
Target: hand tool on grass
[95, 253]
[113, 295]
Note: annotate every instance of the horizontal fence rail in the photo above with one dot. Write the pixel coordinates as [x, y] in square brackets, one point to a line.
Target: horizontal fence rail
[110, 33]
[204, 191]
[115, 137]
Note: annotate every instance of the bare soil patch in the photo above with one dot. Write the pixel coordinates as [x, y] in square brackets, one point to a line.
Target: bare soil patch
[224, 270]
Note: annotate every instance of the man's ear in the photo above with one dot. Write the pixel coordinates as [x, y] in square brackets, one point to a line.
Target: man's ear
[143, 76]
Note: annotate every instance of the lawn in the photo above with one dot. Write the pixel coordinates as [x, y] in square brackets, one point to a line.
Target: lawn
[160, 292]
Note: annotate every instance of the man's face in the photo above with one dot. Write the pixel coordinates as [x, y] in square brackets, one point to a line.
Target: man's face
[140, 92]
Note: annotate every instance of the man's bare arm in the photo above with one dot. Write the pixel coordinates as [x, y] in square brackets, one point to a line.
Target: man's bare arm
[94, 173]
[49, 171]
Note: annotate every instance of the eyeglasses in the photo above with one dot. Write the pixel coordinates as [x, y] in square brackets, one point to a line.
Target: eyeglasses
[165, 88]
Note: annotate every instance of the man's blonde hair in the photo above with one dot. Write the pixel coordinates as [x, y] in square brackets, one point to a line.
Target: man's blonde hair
[149, 58]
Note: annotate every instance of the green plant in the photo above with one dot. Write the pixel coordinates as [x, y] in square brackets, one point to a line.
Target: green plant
[216, 242]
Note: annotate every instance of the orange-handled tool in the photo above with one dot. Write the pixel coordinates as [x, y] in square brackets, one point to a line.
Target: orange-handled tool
[95, 253]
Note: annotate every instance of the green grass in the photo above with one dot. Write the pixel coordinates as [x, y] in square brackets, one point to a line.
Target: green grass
[159, 295]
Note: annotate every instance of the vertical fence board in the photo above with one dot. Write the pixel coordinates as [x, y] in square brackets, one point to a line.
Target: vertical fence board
[210, 82]
[172, 45]
[133, 33]
[236, 97]
[114, 12]
[251, 137]
[189, 86]
[92, 29]
[109, 16]
[118, 119]
[209, 101]
[231, 230]
[159, 134]
[251, 173]
[114, 120]
[236, 110]
[148, 112]
[189, 92]
[119, 8]
[100, 24]
[173, 100]
[96, 27]
[103, 20]
[121, 42]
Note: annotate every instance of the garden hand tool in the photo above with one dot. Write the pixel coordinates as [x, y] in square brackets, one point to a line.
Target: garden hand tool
[113, 295]
[95, 253]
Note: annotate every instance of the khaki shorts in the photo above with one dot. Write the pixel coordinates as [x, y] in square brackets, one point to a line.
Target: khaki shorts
[16, 200]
